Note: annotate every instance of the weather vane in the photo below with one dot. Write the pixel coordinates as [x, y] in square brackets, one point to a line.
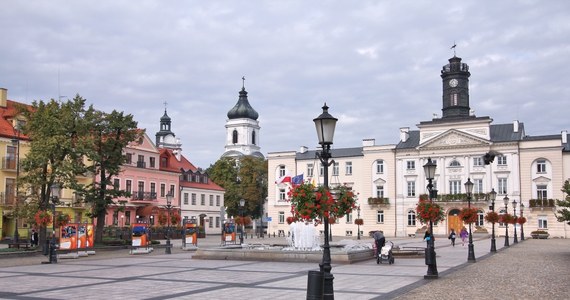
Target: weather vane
[453, 47]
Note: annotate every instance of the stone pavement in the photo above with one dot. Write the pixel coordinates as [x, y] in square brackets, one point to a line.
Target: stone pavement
[531, 269]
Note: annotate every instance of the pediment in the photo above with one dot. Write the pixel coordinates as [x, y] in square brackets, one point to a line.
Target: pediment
[541, 179]
[454, 139]
[379, 181]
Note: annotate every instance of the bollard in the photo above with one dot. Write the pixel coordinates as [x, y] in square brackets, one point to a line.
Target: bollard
[315, 285]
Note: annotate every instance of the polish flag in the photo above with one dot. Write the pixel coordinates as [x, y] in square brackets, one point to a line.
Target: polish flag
[284, 179]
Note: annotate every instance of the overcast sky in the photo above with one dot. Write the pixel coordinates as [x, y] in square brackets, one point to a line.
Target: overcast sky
[376, 63]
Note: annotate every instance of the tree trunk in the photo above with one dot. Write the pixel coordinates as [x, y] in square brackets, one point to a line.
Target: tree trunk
[100, 227]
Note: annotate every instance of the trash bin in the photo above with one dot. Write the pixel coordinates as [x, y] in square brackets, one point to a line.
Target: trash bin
[315, 285]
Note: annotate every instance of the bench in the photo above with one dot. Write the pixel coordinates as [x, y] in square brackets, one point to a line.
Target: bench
[19, 245]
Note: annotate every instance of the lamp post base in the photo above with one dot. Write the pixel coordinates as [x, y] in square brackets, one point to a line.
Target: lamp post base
[168, 247]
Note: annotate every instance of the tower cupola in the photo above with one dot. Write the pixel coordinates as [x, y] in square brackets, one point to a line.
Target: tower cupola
[455, 79]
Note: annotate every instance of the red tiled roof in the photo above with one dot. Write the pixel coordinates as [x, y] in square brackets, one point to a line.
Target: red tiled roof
[8, 113]
[175, 165]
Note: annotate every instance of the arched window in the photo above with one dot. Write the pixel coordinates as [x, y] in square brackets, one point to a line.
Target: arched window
[480, 218]
[253, 137]
[235, 137]
[379, 166]
[454, 163]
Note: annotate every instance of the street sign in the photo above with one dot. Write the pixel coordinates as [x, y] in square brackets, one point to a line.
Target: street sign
[267, 219]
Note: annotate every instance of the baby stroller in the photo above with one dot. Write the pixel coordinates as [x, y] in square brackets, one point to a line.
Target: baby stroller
[386, 254]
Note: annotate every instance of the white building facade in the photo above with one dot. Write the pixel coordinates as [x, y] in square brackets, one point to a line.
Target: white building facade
[389, 179]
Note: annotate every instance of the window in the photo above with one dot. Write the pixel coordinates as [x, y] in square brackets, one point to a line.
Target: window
[164, 162]
[281, 171]
[140, 162]
[153, 188]
[542, 222]
[411, 188]
[152, 161]
[379, 167]
[411, 218]
[335, 169]
[541, 166]
[115, 218]
[116, 184]
[128, 186]
[140, 188]
[501, 160]
[171, 192]
[410, 165]
[480, 218]
[211, 200]
[380, 191]
[217, 200]
[310, 170]
[202, 199]
[477, 185]
[477, 161]
[348, 167]
[349, 218]
[455, 186]
[217, 222]
[127, 217]
[129, 158]
[162, 190]
[502, 186]
[541, 192]
[282, 195]
[380, 216]
[234, 137]
[453, 98]
[281, 217]
[193, 199]
[211, 222]
[454, 163]
[502, 212]
[253, 138]
[185, 198]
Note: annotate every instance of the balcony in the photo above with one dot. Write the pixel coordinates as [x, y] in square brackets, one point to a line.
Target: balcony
[9, 163]
[378, 201]
[141, 164]
[476, 197]
[7, 199]
[144, 196]
[541, 204]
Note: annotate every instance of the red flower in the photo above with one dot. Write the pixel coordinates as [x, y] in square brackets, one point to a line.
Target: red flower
[521, 220]
[359, 222]
[43, 218]
[492, 217]
[468, 215]
[426, 211]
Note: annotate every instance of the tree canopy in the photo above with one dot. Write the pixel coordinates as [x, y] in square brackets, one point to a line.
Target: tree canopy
[563, 214]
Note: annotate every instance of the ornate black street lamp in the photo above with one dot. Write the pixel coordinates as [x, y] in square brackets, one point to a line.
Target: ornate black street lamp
[492, 197]
[55, 189]
[522, 228]
[168, 249]
[241, 206]
[358, 217]
[429, 170]
[325, 125]
[506, 200]
[471, 247]
[515, 239]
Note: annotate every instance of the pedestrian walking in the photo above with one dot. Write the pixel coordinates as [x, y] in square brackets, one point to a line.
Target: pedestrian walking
[380, 240]
[452, 237]
[463, 235]
[34, 238]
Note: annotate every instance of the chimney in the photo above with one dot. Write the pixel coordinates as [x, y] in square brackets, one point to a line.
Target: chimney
[303, 149]
[3, 97]
[368, 142]
[516, 126]
[404, 134]
[564, 136]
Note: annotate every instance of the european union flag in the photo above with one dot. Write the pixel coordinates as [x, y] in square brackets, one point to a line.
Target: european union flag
[297, 180]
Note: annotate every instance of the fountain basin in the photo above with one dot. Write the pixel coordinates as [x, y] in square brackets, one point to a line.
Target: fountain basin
[276, 253]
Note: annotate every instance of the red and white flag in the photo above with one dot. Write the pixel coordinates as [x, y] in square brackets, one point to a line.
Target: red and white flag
[284, 179]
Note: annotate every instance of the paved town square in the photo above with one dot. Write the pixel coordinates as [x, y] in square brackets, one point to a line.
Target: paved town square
[529, 269]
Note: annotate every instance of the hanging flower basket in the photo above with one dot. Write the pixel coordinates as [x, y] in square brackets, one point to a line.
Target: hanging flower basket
[291, 220]
[359, 222]
[521, 220]
[311, 204]
[507, 219]
[175, 218]
[492, 217]
[242, 220]
[43, 218]
[427, 211]
[468, 215]
[62, 219]
[332, 220]
[162, 219]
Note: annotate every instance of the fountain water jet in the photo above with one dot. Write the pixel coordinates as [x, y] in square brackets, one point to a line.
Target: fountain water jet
[304, 237]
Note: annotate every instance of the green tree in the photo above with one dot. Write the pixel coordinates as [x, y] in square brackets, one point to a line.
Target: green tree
[563, 214]
[243, 178]
[53, 129]
[103, 145]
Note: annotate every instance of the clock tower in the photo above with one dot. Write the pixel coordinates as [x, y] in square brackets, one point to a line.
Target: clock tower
[455, 79]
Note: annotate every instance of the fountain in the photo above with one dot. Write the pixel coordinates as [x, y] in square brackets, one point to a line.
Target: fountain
[303, 245]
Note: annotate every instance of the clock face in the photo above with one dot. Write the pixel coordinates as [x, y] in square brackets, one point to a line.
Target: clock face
[453, 83]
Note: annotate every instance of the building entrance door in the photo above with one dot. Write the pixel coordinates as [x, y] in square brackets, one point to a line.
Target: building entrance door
[454, 222]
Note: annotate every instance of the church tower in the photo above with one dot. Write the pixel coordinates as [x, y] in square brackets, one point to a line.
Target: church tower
[165, 138]
[242, 129]
[455, 79]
